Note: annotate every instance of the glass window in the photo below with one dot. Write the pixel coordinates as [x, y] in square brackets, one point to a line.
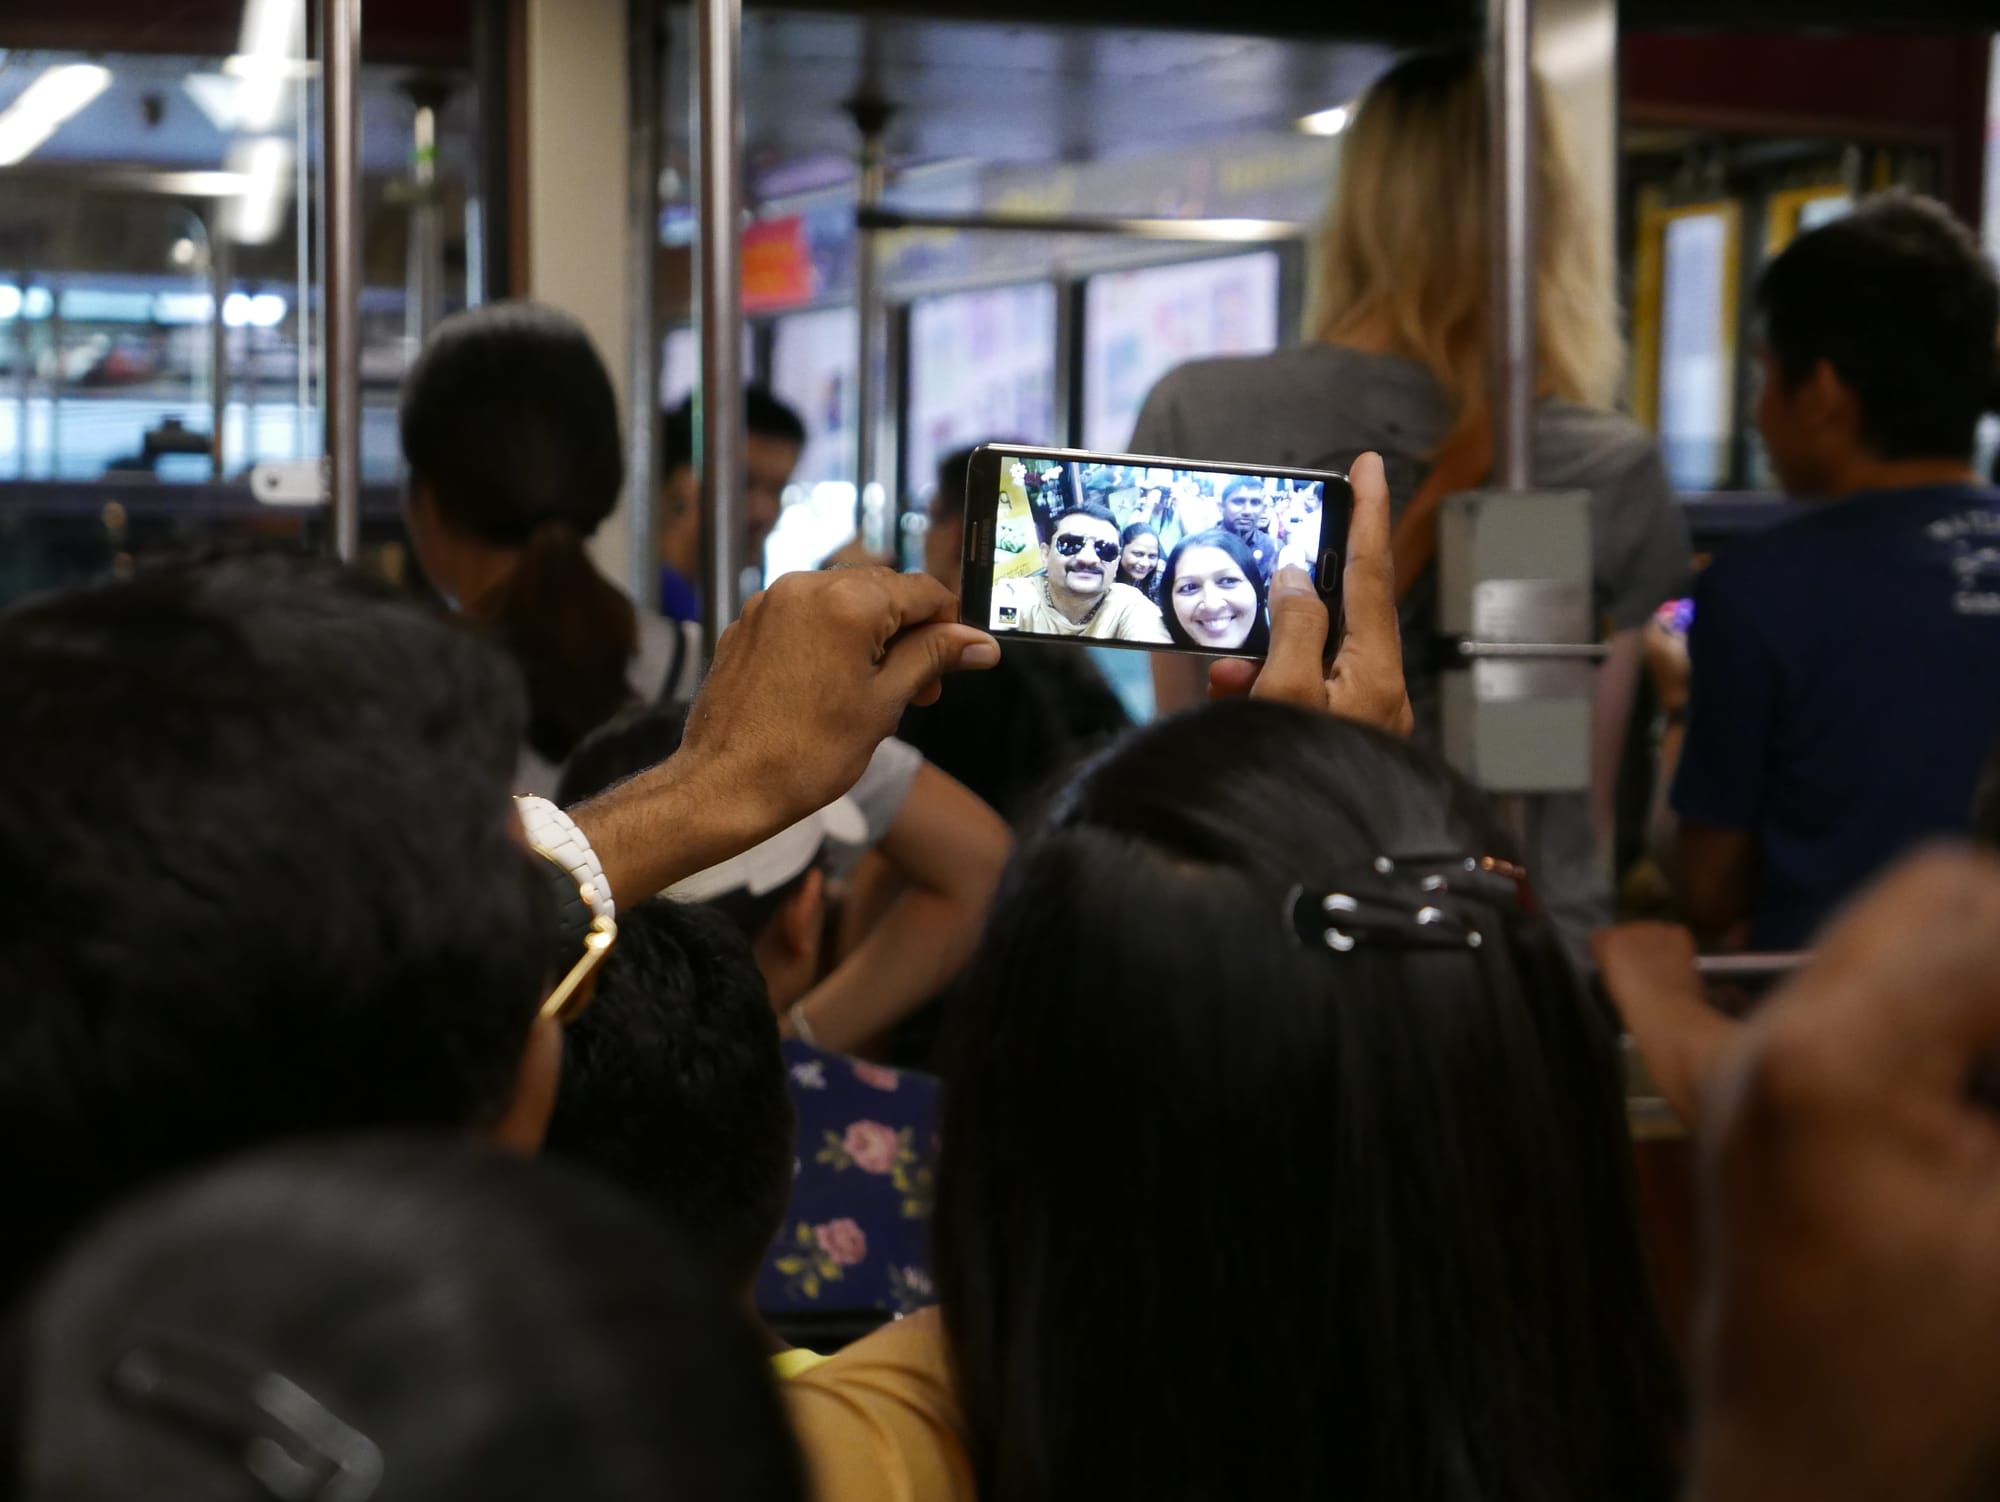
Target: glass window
[159, 300]
[1138, 325]
[1697, 371]
[982, 366]
[813, 359]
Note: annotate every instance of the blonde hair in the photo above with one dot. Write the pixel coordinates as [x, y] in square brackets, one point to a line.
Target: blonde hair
[1404, 248]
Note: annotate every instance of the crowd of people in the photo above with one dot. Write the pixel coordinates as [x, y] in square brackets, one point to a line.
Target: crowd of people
[441, 1050]
[1160, 556]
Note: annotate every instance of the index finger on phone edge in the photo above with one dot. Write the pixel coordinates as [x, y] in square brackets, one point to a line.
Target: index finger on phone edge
[1370, 571]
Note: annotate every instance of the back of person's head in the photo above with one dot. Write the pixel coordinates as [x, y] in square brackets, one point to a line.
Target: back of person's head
[510, 428]
[1230, 1207]
[1406, 243]
[638, 737]
[261, 880]
[1091, 509]
[765, 415]
[1897, 298]
[944, 539]
[673, 1083]
[404, 1321]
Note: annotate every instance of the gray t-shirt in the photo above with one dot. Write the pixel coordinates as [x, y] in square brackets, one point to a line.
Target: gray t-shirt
[1321, 406]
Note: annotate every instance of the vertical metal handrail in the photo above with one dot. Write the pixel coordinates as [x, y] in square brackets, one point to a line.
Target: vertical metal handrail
[1510, 218]
[718, 177]
[340, 192]
[867, 324]
[220, 274]
[644, 64]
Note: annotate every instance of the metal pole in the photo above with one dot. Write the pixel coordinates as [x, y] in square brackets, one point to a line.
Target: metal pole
[867, 319]
[1749, 966]
[490, 271]
[1510, 217]
[1203, 231]
[220, 275]
[302, 320]
[645, 59]
[340, 64]
[718, 131]
[423, 302]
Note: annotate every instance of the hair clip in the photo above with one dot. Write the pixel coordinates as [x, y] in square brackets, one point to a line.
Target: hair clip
[297, 1450]
[1409, 902]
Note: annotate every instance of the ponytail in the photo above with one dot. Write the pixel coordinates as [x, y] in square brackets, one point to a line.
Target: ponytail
[510, 426]
[573, 634]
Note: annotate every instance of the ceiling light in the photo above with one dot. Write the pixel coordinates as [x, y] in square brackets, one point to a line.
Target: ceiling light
[272, 32]
[10, 301]
[43, 106]
[1326, 122]
[256, 216]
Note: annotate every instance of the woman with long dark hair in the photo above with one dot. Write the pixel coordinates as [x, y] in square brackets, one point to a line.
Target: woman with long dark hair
[510, 429]
[1284, 1157]
[1213, 596]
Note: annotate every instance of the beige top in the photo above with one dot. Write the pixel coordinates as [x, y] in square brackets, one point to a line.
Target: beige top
[1124, 615]
[879, 1421]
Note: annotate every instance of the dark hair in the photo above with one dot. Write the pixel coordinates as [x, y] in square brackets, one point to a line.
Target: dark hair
[674, 1086]
[473, 1324]
[765, 413]
[1897, 298]
[630, 742]
[954, 476]
[1090, 509]
[256, 817]
[1240, 484]
[1276, 1221]
[510, 424]
[1259, 639]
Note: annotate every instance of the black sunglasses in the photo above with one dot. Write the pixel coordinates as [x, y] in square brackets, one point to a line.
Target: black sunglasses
[1069, 545]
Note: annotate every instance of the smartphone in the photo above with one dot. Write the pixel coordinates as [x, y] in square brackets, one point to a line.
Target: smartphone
[1129, 550]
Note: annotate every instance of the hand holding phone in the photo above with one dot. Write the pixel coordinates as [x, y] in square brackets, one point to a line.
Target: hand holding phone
[1064, 546]
[1364, 678]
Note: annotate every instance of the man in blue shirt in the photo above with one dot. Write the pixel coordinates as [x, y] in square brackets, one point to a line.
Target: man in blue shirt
[1846, 666]
[774, 436]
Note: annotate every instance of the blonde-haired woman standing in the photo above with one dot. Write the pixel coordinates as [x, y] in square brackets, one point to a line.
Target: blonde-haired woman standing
[1396, 363]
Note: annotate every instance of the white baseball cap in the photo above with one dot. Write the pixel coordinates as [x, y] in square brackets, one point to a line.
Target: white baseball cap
[766, 867]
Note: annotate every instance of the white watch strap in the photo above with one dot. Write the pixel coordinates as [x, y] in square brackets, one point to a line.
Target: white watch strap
[555, 834]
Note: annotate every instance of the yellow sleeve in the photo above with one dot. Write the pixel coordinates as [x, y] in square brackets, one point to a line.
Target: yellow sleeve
[879, 1422]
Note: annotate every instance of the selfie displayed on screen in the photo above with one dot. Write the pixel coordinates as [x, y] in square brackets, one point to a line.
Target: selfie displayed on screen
[1170, 557]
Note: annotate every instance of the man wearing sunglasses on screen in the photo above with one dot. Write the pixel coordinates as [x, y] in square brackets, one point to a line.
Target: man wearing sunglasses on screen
[1077, 593]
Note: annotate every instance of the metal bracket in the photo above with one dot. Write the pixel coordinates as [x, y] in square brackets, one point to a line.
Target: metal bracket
[1538, 651]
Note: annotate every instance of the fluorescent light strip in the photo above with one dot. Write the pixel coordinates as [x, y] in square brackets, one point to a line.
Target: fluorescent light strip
[1326, 122]
[45, 104]
[266, 166]
[272, 30]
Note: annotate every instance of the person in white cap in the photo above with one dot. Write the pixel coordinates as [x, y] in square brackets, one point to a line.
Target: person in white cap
[943, 845]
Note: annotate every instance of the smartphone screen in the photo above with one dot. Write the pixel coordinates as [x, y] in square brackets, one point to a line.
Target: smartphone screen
[1129, 550]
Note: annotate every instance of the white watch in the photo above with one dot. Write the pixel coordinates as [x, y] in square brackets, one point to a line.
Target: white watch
[555, 835]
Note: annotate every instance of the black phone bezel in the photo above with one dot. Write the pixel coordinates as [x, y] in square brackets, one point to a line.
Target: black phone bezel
[976, 552]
